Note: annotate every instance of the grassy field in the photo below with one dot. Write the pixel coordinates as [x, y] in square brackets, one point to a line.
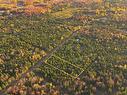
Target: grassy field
[69, 51]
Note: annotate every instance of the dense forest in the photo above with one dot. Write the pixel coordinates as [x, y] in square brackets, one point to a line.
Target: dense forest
[72, 47]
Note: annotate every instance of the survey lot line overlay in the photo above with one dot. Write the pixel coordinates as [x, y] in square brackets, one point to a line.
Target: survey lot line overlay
[62, 71]
[2, 92]
[67, 62]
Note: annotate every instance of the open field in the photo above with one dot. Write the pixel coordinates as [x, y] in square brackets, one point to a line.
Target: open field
[71, 50]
